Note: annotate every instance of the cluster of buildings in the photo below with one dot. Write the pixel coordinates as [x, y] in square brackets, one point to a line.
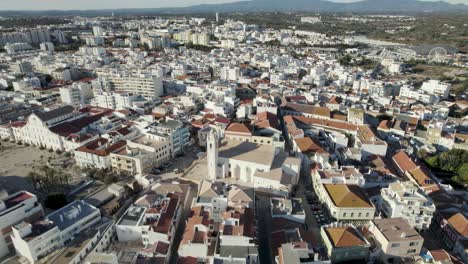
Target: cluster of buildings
[302, 159]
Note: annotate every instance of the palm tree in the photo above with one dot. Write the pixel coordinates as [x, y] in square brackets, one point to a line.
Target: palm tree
[33, 177]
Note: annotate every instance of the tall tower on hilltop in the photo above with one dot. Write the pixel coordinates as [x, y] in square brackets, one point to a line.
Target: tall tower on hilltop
[217, 17]
[212, 154]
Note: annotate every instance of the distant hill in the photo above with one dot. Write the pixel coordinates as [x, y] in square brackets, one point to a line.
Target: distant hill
[365, 6]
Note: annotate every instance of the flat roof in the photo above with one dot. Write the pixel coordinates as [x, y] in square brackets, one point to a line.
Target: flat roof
[247, 151]
[133, 216]
[69, 214]
[396, 229]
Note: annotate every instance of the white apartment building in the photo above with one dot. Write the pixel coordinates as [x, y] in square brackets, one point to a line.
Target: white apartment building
[16, 47]
[202, 39]
[130, 226]
[228, 44]
[98, 31]
[116, 100]
[19, 207]
[436, 87]
[97, 154]
[230, 73]
[397, 239]
[142, 154]
[76, 94]
[146, 85]
[419, 95]
[47, 46]
[152, 220]
[34, 241]
[93, 240]
[406, 200]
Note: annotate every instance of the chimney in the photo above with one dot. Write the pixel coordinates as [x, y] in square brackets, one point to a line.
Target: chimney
[403, 235]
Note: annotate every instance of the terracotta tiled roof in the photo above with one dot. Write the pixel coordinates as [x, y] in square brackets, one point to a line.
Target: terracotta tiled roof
[335, 100]
[385, 125]
[308, 109]
[440, 255]
[344, 195]
[93, 147]
[198, 217]
[266, 116]
[321, 111]
[342, 237]
[326, 123]
[340, 117]
[403, 161]
[422, 178]
[459, 223]
[238, 128]
[307, 145]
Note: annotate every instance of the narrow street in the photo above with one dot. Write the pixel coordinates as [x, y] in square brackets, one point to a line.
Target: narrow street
[180, 228]
[311, 223]
[263, 228]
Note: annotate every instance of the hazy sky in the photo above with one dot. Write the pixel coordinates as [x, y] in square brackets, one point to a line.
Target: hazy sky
[112, 4]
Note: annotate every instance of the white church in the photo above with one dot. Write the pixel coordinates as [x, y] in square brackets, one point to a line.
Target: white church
[258, 165]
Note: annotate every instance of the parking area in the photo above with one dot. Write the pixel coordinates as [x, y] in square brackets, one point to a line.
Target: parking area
[316, 213]
[177, 166]
[318, 209]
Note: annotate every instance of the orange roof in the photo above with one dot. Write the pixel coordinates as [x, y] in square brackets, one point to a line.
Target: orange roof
[308, 145]
[342, 237]
[344, 195]
[422, 178]
[385, 124]
[459, 223]
[326, 123]
[404, 162]
[440, 255]
[321, 111]
[198, 217]
[238, 128]
[335, 100]
[340, 117]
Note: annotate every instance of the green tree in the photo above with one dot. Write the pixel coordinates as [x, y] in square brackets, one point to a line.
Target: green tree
[109, 179]
[463, 173]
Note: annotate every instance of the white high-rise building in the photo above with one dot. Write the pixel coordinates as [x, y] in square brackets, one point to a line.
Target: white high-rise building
[149, 86]
[406, 200]
[201, 39]
[115, 100]
[76, 94]
[230, 73]
[47, 46]
[212, 154]
[436, 87]
[98, 31]
[60, 37]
